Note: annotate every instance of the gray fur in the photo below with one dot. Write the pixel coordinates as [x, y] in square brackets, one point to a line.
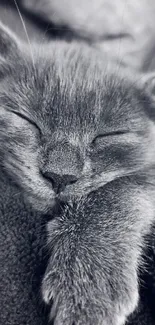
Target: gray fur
[68, 113]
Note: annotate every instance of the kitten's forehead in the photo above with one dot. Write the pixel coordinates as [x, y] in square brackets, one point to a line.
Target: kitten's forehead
[68, 90]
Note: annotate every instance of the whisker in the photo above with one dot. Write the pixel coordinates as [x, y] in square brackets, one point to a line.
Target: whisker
[26, 33]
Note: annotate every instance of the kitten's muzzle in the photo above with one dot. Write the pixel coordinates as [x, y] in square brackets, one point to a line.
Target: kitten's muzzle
[59, 182]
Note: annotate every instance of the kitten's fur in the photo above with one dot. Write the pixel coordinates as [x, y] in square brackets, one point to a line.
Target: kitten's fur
[71, 125]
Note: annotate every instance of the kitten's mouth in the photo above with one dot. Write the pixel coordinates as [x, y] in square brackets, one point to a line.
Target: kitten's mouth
[77, 190]
[87, 185]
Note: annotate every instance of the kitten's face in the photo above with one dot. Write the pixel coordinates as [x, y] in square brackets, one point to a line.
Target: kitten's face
[67, 128]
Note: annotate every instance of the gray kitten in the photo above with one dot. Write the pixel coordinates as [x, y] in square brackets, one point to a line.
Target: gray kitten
[78, 138]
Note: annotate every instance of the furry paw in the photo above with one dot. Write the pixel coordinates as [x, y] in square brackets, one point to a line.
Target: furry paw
[76, 299]
[85, 282]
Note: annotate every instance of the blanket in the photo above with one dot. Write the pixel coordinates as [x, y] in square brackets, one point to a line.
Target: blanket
[124, 29]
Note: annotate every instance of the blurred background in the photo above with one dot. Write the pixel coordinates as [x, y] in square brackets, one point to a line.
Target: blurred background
[124, 29]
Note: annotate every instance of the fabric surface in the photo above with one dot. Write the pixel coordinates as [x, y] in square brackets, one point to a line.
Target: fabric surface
[125, 29]
[22, 237]
[22, 261]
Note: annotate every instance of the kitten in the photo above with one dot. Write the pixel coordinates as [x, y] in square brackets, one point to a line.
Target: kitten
[78, 138]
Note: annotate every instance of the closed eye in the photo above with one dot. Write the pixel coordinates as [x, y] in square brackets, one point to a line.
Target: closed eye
[113, 133]
[27, 119]
[118, 132]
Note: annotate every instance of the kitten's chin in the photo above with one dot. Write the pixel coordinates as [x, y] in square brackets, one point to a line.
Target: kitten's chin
[87, 185]
[40, 204]
[80, 189]
[74, 194]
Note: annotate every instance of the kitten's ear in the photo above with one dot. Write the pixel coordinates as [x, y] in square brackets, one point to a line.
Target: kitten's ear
[9, 44]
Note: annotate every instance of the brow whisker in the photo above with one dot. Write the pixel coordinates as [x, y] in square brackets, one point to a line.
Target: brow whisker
[26, 33]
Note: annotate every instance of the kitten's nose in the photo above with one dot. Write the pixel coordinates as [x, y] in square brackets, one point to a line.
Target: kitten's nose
[59, 182]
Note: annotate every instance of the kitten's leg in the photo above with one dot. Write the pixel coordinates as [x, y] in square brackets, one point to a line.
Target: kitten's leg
[95, 252]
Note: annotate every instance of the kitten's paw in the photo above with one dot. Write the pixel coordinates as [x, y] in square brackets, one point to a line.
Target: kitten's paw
[79, 301]
[88, 281]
